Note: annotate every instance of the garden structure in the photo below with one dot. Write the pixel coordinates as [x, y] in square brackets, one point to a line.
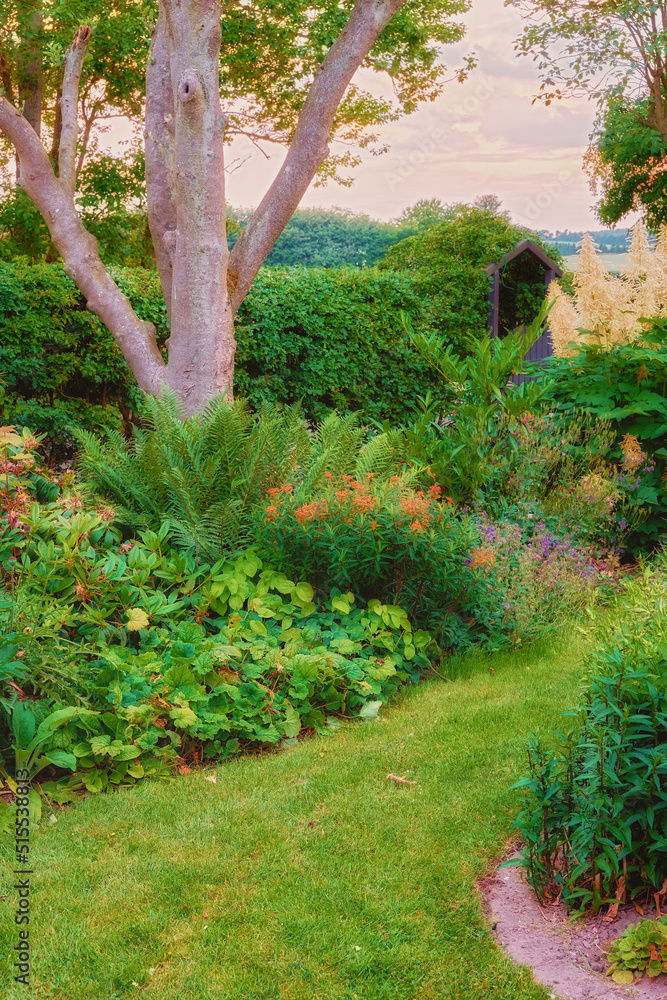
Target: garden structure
[541, 350]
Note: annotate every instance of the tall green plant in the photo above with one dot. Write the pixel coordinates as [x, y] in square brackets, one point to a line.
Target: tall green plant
[594, 812]
[482, 402]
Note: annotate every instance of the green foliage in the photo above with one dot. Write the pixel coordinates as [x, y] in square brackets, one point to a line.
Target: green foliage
[330, 338]
[642, 947]
[276, 668]
[447, 267]
[593, 812]
[333, 339]
[203, 475]
[624, 168]
[319, 237]
[62, 368]
[129, 652]
[625, 386]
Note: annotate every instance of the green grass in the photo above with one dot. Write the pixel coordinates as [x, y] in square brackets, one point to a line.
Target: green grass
[305, 874]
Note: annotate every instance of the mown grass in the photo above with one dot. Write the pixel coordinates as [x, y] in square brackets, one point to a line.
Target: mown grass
[305, 874]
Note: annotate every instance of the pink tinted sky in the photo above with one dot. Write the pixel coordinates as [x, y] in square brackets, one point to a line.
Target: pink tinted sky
[481, 137]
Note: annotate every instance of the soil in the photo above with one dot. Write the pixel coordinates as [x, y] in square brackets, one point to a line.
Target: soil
[568, 958]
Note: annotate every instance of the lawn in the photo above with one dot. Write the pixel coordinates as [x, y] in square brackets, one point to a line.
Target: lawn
[304, 874]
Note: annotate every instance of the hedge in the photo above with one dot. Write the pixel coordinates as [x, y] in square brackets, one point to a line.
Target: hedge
[329, 336]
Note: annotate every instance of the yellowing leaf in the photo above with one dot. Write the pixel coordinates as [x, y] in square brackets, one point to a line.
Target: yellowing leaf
[136, 619]
[623, 977]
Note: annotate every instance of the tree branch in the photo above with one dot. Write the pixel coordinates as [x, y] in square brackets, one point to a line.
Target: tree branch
[78, 249]
[159, 151]
[69, 105]
[309, 147]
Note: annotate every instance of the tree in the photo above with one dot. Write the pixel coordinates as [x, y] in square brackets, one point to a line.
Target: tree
[627, 165]
[203, 283]
[614, 52]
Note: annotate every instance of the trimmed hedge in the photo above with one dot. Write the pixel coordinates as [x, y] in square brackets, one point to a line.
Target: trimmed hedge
[329, 336]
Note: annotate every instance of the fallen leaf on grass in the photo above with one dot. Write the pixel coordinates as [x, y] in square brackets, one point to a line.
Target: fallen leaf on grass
[211, 777]
[400, 781]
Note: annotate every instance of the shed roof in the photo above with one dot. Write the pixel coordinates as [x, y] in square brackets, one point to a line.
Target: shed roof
[519, 249]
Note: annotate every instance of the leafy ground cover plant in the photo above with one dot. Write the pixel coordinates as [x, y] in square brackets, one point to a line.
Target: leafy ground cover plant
[641, 948]
[120, 656]
[593, 811]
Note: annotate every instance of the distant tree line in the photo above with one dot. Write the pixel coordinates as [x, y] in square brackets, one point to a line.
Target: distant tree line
[608, 240]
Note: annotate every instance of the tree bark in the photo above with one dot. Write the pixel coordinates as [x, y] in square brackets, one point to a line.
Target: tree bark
[69, 102]
[201, 340]
[159, 156]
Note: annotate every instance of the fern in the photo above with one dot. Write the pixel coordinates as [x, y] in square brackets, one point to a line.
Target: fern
[201, 476]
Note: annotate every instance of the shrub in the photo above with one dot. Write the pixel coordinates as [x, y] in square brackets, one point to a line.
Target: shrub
[329, 337]
[594, 815]
[624, 386]
[498, 445]
[332, 338]
[374, 538]
[530, 579]
[447, 264]
[203, 475]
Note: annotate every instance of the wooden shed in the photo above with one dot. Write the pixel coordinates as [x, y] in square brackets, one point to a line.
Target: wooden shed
[541, 350]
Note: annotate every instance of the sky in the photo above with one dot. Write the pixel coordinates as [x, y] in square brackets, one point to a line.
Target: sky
[480, 137]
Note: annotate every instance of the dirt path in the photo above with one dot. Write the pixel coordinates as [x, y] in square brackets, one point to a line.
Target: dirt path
[567, 958]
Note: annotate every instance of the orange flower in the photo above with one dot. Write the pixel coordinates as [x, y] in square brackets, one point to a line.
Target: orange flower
[373, 525]
[482, 557]
[272, 492]
[416, 527]
[394, 479]
[342, 494]
[435, 490]
[328, 476]
[307, 512]
[288, 488]
[271, 511]
[363, 501]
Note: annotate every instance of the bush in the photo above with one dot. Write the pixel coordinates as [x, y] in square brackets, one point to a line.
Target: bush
[594, 816]
[201, 476]
[446, 264]
[373, 538]
[333, 339]
[497, 446]
[625, 385]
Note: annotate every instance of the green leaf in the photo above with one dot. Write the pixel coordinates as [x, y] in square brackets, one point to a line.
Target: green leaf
[370, 710]
[304, 592]
[183, 716]
[61, 759]
[259, 628]
[292, 724]
[136, 619]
